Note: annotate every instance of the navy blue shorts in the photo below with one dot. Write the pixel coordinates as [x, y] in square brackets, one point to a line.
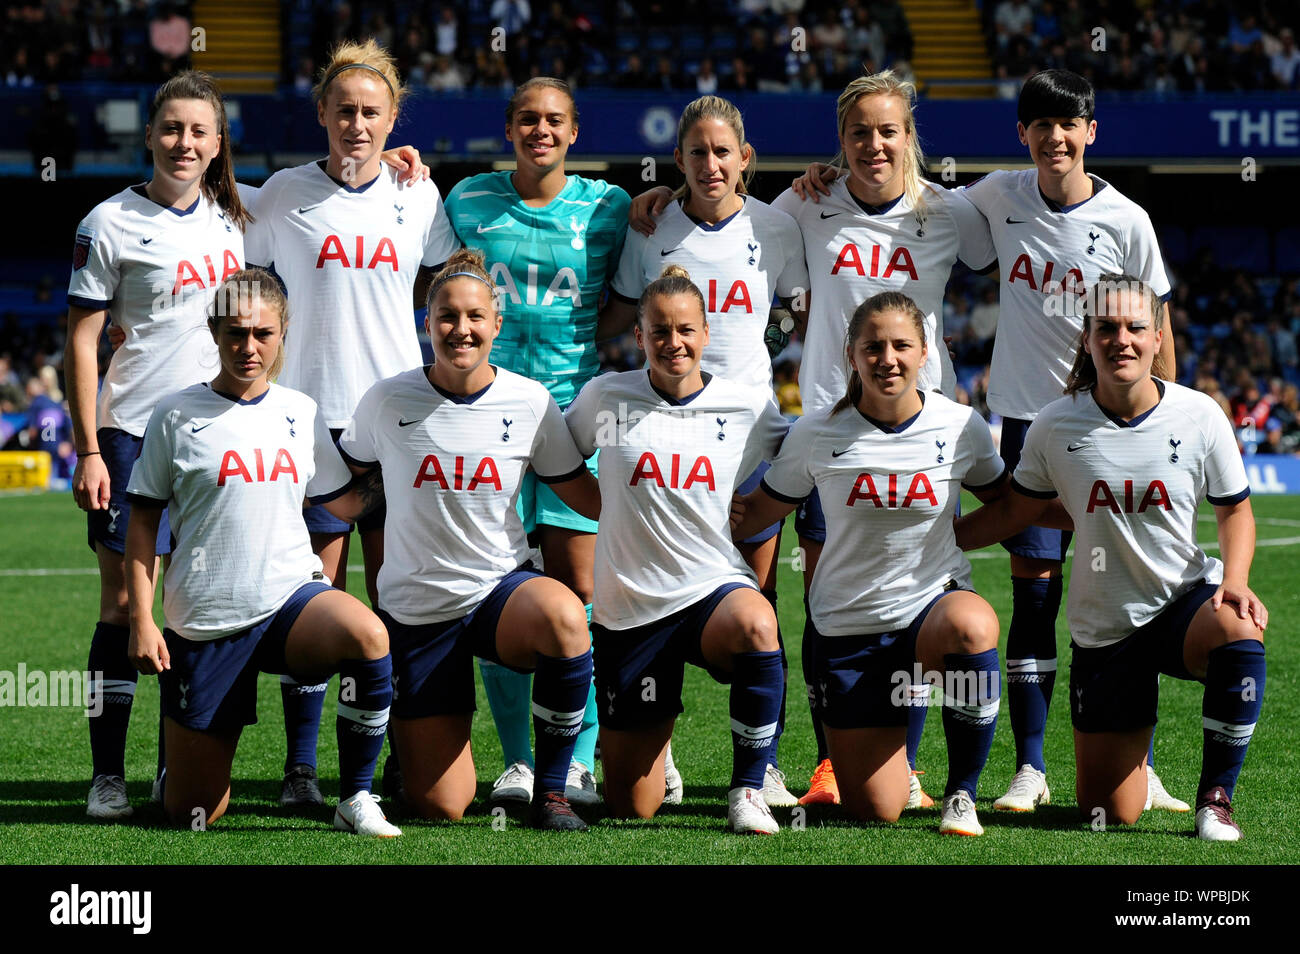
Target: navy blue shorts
[863, 682]
[639, 671]
[809, 520]
[212, 684]
[433, 663]
[120, 450]
[751, 484]
[1115, 688]
[320, 520]
[1038, 543]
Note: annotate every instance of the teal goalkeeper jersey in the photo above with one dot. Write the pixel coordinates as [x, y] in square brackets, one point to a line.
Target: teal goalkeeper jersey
[550, 265]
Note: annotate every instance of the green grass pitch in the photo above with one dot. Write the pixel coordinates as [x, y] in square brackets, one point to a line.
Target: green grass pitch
[49, 593]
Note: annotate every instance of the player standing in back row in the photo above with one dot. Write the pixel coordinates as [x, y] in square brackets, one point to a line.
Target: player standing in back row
[551, 242]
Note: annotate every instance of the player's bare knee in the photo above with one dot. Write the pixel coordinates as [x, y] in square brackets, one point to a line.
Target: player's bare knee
[370, 639]
[565, 634]
[435, 807]
[1235, 629]
[756, 633]
[974, 633]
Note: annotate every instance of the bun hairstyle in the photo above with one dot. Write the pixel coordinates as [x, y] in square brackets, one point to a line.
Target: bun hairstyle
[1097, 303]
[368, 57]
[715, 107]
[875, 305]
[219, 180]
[890, 84]
[464, 263]
[673, 280]
[234, 297]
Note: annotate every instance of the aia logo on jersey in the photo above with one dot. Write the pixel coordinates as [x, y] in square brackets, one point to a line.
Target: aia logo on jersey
[233, 465]
[850, 258]
[737, 298]
[187, 273]
[1102, 496]
[1022, 269]
[647, 468]
[565, 284]
[918, 489]
[432, 472]
[332, 250]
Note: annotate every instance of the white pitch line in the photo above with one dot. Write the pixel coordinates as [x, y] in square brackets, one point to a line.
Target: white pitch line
[1269, 542]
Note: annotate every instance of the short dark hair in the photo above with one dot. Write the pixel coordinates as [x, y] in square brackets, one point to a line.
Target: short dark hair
[1055, 93]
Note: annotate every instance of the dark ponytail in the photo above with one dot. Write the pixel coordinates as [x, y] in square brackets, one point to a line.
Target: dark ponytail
[219, 180]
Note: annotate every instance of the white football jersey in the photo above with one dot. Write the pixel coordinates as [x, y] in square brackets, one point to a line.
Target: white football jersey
[889, 496]
[349, 258]
[853, 255]
[452, 466]
[233, 475]
[1045, 253]
[1132, 490]
[667, 474]
[738, 265]
[154, 269]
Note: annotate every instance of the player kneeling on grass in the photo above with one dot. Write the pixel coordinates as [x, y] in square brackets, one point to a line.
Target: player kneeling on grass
[891, 589]
[671, 587]
[1131, 458]
[232, 460]
[453, 441]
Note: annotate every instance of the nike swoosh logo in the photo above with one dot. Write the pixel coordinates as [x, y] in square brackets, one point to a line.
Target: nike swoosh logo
[402, 423]
[1074, 447]
[1011, 221]
[196, 428]
[827, 215]
[307, 208]
[836, 453]
[493, 228]
[145, 241]
[669, 251]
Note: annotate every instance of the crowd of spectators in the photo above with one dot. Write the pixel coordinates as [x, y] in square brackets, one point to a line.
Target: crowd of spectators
[60, 41]
[1163, 47]
[688, 45]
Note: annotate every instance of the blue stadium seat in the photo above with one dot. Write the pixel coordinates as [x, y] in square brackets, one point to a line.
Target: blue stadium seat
[1288, 250]
[1241, 247]
[628, 41]
[659, 42]
[1173, 243]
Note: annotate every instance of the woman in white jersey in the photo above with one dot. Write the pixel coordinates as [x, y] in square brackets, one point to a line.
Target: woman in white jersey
[350, 243]
[1131, 457]
[891, 605]
[551, 242]
[741, 253]
[453, 440]
[148, 259]
[671, 587]
[233, 459]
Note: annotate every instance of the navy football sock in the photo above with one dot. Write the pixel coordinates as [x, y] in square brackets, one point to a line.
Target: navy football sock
[560, 688]
[1031, 663]
[1151, 751]
[112, 690]
[972, 690]
[770, 596]
[1234, 692]
[806, 661]
[918, 699]
[162, 745]
[303, 705]
[365, 693]
[755, 706]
